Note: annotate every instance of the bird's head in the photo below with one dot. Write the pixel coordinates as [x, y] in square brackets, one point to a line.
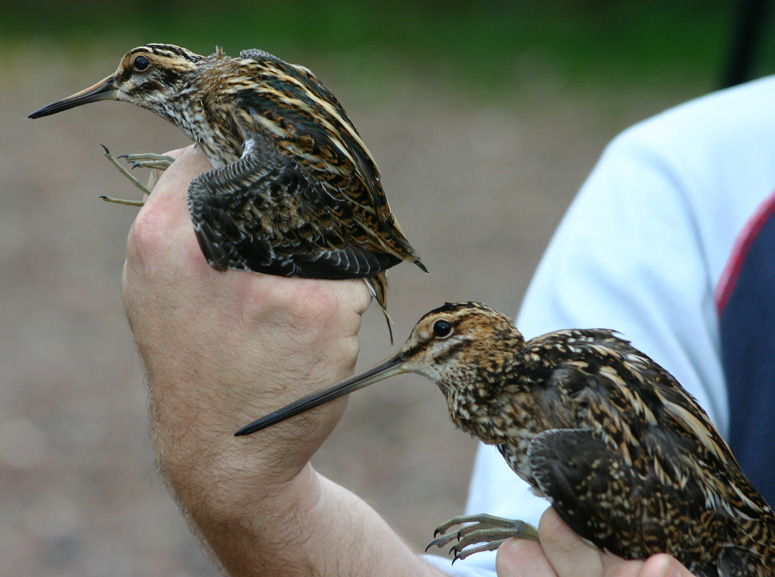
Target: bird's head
[151, 76]
[452, 342]
[463, 347]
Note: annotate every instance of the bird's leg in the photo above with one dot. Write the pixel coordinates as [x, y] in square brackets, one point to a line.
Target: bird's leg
[486, 532]
[114, 161]
[148, 160]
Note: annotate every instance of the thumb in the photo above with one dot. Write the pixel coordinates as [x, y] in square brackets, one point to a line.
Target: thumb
[663, 565]
[522, 558]
[569, 554]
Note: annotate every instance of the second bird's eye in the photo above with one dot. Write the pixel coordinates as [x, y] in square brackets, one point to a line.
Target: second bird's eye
[442, 328]
[141, 63]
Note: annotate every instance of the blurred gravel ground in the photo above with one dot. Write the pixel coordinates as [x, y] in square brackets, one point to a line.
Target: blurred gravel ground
[478, 188]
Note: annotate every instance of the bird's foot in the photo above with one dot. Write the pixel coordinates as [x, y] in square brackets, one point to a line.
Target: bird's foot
[484, 533]
[147, 160]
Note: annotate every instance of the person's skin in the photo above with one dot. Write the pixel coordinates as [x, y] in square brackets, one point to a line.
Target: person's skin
[562, 553]
[221, 349]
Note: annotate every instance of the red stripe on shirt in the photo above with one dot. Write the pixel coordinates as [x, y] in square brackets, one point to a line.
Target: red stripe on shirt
[740, 251]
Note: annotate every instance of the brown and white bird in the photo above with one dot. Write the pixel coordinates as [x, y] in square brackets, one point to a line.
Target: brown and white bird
[625, 455]
[293, 191]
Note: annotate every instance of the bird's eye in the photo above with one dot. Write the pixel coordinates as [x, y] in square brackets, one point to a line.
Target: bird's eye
[442, 329]
[141, 63]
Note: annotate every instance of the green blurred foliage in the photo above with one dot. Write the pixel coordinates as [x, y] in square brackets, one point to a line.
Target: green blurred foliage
[490, 43]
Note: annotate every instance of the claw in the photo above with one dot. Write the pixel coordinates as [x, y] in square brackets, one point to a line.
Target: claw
[123, 201]
[441, 541]
[114, 161]
[480, 533]
[149, 160]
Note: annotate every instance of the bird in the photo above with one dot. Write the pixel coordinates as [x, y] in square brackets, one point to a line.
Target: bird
[625, 455]
[294, 191]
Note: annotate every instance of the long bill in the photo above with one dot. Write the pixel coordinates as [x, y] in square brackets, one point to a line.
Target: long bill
[391, 366]
[104, 90]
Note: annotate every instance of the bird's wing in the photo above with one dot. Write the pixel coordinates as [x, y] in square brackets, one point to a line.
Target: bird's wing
[573, 469]
[307, 123]
[264, 214]
[605, 501]
[639, 467]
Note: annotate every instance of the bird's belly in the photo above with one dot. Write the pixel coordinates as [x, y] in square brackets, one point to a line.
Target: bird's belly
[515, 454]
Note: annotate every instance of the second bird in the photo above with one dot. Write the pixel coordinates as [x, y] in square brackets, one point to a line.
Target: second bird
[294, 190]
[625, 455]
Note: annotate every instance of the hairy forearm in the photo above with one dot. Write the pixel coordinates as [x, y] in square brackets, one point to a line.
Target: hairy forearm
[310, 526]
[258, 512]
[328, 531]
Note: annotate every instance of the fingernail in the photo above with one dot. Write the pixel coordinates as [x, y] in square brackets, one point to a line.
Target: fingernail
[665, 567]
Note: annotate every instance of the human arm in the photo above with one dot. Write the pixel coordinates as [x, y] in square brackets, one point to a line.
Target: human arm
[220, 349]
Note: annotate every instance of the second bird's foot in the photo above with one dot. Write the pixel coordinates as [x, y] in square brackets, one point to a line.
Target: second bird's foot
[480, 533]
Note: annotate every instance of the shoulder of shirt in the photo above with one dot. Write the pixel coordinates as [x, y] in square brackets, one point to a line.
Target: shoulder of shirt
[744, 113]
[654, 223]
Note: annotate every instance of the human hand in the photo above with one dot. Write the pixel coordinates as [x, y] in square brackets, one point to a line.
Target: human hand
[221, 349]
[562, 553]
[208, 323]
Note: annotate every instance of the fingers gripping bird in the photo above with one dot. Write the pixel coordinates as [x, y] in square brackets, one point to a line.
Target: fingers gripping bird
[625, 455]
[293, 191]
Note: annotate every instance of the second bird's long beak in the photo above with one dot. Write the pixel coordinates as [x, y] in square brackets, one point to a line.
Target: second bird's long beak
[391, 366]
[103, 90]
